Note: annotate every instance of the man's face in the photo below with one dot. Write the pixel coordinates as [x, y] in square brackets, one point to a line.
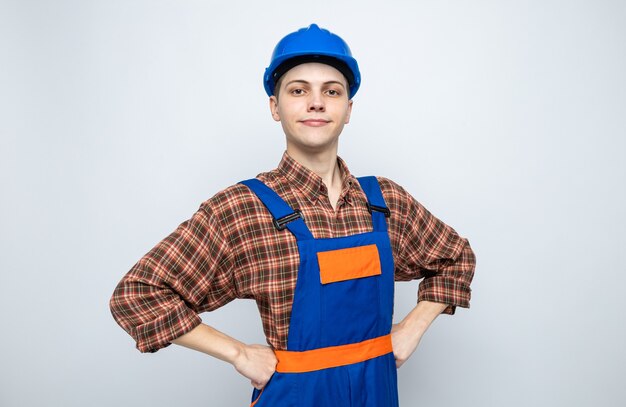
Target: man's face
[312, 106]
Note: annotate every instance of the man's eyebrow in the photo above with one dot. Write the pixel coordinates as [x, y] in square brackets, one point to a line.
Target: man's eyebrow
[308, 83]
[337, 82]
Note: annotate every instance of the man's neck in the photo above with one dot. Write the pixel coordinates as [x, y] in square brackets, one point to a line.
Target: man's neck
[323, 164]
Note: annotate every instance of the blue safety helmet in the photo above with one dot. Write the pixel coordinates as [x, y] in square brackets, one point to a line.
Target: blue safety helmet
[312, 44]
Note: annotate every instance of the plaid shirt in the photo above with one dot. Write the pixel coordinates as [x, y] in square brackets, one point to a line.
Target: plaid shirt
[230, 249]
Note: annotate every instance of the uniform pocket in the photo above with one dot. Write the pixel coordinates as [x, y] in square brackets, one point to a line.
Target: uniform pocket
[279, 391]
[349, 264]
[256, 395]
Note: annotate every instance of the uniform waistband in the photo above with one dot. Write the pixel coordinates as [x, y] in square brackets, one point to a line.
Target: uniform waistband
[332, 356]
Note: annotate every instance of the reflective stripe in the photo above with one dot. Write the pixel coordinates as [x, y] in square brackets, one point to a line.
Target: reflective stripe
[348, 264]
[332, 356]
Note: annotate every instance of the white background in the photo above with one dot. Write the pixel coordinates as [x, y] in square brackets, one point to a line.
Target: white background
[505, 118]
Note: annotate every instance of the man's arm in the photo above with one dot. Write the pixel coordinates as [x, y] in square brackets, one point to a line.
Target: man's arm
[440, 292]
[427, 248]
[158, 300]
[256, 362]
[188, 272]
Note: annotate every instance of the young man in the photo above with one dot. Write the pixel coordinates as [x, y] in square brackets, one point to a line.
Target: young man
[318, 249]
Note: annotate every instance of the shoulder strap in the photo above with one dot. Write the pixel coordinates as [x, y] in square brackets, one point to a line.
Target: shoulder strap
[284, 216]
[375, 202]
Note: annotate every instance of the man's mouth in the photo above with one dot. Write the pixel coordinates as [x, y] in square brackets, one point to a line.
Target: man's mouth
[314, 122]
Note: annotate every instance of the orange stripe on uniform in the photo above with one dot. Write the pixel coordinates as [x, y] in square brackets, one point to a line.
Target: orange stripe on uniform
[348, 264]
[332, 356]
[257, 398]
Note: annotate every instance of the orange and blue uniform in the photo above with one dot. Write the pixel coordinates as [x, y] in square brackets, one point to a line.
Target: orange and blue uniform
[339, 345]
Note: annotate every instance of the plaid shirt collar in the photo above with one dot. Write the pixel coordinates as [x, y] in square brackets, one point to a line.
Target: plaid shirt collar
[310, 184]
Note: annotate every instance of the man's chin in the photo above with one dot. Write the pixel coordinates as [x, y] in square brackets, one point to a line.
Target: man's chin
[313, 147]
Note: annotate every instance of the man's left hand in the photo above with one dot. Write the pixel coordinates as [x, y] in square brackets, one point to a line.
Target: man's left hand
[406, 335]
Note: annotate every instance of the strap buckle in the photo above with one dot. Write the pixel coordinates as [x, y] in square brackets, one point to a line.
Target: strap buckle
[382, 209]
[281, 223]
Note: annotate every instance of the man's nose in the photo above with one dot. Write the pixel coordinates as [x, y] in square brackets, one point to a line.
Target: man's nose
[316, 102]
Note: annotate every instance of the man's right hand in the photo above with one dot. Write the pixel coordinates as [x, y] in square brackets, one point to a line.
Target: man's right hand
[257, 363]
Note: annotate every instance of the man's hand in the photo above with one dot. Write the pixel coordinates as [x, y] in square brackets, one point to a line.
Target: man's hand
[257, 363]
[406, 335]
[404, 342]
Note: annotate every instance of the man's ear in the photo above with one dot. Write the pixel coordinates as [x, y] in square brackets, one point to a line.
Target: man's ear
[274, 108]
[349, 111]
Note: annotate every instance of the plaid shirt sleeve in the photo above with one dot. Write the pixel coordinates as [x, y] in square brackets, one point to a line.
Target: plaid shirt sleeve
[188, 272]
[429, 249]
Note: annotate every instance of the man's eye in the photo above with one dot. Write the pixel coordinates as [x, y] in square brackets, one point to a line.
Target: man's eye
[297, 92]
[333, 92]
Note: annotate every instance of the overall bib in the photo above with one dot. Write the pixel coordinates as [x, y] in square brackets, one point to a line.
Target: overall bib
[339, 350]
